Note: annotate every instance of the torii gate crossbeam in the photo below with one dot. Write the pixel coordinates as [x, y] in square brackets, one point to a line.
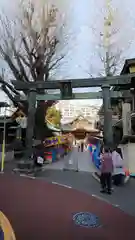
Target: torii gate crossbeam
[122, 80]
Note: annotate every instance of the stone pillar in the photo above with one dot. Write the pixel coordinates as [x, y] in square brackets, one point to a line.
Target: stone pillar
[126, 119]
[25, 165]
[18, 133]
[31, 120]
[133, 99]
[107, 130]
[133, 103]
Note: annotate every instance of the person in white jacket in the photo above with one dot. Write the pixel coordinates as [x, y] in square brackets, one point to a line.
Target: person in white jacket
[118, 168]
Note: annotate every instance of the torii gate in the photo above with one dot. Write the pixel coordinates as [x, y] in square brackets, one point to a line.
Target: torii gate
[125, 82]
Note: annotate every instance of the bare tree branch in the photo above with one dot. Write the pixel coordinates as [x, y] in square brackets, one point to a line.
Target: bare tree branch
[11, 97]
[33, 48]
[56, 62]
[112, 40]
[3, 82]
[32, 55]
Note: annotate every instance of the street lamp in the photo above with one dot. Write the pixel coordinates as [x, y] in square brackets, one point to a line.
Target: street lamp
[3, 105]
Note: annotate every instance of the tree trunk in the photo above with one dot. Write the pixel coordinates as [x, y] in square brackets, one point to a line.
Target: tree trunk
[41, 130]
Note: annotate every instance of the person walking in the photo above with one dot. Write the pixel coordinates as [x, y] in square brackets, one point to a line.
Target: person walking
[78, 147]
[82, 146]
[106, 171]
[118, 173]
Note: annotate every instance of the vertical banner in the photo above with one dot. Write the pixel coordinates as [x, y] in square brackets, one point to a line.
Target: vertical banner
[126, 118]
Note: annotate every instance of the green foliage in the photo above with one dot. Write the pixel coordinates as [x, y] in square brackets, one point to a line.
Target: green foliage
[53, 116]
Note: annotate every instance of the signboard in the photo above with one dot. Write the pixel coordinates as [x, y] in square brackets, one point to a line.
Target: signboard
[55, 140]
[126, 118]
[6, 231]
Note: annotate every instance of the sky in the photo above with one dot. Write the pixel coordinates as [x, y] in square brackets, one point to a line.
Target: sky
[82, 15]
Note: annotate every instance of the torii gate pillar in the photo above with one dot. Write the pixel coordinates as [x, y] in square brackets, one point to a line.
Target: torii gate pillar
[26, 162]
[107, 129]
[31, 120]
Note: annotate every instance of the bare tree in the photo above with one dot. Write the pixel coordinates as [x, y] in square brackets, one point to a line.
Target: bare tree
[113, 37]
[32, 48]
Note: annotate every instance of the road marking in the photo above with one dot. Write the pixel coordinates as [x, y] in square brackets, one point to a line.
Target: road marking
[116, 205]
[96, 177]
[105, 200]
[31, 177]
[100, 198]
[62, 185]
[23, 175]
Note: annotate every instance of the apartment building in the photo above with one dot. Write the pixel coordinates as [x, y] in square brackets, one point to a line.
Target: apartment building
[72, 110]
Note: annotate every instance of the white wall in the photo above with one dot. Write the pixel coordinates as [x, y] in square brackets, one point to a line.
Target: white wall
[128, 151]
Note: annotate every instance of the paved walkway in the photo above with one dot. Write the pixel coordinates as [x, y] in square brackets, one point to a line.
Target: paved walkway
[84, 162]
[75, 161]
[39, 210]
[123, 197]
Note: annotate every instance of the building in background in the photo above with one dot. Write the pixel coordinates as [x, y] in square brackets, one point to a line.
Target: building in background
[72, 109]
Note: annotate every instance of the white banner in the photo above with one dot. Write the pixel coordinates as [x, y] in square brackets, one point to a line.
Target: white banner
[126, 118]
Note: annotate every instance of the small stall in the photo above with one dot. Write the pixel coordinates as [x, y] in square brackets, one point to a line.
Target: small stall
[55, 148]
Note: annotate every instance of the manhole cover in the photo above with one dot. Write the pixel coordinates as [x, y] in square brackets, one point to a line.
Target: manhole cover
[86, 219]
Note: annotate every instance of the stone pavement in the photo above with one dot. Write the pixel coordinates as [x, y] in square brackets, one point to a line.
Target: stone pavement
[75, 160]
[40, 210]
[84, 162]
[83, 181]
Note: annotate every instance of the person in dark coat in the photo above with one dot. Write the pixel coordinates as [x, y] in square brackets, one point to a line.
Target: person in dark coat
[106, 171]
[38, 155]
[82, 146]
